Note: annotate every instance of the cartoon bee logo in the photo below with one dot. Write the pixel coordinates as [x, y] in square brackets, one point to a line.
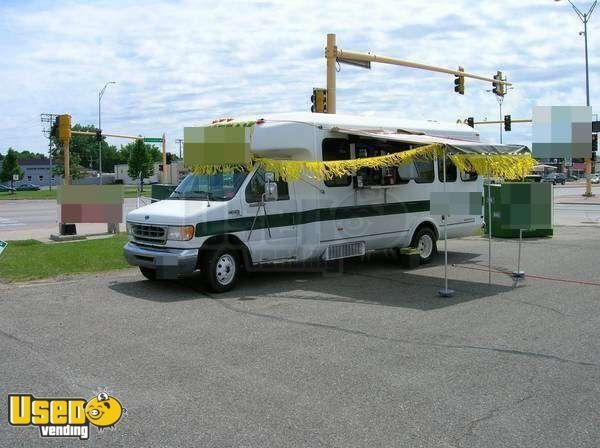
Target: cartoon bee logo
[104, 410]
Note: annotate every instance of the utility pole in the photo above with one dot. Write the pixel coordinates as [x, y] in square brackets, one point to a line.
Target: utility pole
[180, 141]
[49, 118]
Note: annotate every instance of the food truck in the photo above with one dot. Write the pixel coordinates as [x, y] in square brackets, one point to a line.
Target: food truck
[222, 222]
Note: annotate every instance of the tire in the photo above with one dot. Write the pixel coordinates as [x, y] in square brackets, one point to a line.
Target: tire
[221, 269]
[150, 274]
[424, 240]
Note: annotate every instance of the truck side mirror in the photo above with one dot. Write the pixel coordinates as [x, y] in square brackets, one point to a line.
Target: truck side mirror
[271, 191]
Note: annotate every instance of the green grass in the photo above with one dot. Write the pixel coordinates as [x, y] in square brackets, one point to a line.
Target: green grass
[30, 259]
[129, 192]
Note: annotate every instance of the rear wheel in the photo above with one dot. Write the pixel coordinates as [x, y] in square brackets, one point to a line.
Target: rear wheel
[150, 274]
[424, 241]
[221, 269]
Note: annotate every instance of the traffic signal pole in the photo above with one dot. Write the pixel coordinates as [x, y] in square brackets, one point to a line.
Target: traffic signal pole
[132, 137]
[513, 120]
[67, 161]
[332, 54]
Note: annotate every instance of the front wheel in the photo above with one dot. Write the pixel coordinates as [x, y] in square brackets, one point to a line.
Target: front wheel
[221, 269]
[424, 241]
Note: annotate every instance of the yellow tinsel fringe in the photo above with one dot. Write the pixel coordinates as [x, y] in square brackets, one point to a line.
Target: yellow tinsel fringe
[507, 166]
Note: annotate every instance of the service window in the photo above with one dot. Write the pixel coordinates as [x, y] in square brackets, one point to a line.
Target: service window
[256, 188]
[451, 172]
[425, 172]
[468, 176]
[337, 149]
[406, 172]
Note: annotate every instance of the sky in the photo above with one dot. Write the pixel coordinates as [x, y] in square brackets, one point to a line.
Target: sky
[184, 63]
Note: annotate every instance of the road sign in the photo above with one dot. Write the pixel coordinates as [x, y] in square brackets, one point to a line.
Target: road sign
[153, 140]
[3, 245]
[15, 177]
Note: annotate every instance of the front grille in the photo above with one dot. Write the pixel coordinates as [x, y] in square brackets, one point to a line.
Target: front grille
[149, 234]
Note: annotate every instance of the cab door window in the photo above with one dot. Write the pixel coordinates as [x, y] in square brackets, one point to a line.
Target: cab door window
[256, 188]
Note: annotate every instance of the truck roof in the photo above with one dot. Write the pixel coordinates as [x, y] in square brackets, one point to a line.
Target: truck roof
[428, 127]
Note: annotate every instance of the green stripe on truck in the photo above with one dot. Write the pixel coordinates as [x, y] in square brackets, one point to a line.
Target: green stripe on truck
[309, 216]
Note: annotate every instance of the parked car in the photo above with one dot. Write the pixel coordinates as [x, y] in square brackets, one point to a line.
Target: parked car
[532, 178]
[595, 179]
[555, 178]
[28, 187]
[5, 189]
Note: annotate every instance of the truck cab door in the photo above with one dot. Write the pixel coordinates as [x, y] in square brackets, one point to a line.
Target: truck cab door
[272, 234]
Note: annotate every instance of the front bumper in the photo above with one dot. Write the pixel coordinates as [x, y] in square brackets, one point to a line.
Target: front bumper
[168, 263]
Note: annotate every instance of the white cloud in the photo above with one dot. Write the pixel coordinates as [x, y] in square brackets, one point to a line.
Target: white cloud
[178, 63]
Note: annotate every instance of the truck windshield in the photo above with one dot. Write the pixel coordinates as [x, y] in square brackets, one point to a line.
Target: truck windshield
[214, 187]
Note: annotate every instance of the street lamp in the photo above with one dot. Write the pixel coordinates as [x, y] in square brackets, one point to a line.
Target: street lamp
[585, 18]
[100, 94]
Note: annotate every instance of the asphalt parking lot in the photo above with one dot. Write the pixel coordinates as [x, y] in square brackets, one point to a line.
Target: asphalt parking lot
[367, 357]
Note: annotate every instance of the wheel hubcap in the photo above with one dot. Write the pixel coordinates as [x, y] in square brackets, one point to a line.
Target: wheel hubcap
[225, 269]
[425, 246]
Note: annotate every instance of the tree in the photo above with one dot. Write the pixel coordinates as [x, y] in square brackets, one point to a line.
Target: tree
[10, 167]
[28, 155]
[140, 162]
[59, 165]
[86, 148]
[125, 150]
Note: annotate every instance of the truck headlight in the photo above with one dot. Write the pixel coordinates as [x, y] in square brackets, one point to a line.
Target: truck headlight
[180, 233]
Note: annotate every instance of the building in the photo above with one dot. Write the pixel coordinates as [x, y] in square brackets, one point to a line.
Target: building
[176, 171]
[37, 172]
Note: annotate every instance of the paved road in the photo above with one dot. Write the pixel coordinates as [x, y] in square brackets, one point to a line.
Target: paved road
[371, 357]
[38, 219]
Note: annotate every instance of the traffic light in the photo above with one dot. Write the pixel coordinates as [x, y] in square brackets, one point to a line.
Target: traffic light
[594, 142]
[64, 127]
[169, 158]
[160, 167]
[98, 135]
[319, 100]
[498, 88]
[471, 122]
[459, 82]
[507, 123]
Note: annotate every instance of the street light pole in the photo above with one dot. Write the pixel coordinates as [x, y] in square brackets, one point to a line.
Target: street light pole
[585, 18]
[100, 94]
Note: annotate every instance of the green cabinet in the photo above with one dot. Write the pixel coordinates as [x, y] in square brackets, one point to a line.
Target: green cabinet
[520, 205]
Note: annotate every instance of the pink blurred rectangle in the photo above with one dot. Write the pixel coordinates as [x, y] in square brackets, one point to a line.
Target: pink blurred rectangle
[91, 213]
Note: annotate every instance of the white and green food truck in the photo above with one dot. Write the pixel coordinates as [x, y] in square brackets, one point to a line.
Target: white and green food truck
[224, 222]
